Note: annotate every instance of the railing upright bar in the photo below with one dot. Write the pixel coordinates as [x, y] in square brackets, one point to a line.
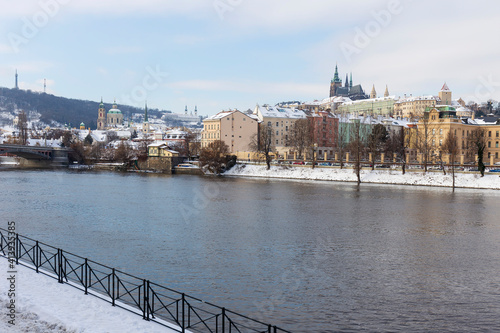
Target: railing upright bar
[59, 266]
[146, 292]
[143, 299]
[17, 249]
[113, 288]
[37, 257]
[86, 276]
[223, 320]
[183, 313]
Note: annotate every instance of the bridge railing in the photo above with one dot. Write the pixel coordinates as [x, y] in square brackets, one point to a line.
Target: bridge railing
[166, 306]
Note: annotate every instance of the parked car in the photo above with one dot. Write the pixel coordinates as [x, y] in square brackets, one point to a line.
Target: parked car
[299, 162]
[325, 164]
[383, 166]
[494, 170]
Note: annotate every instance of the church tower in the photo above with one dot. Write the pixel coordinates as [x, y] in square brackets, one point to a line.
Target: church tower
[145, 125]
[335, 83]
[17, 86]
[101, 118]
[373, 94]
[386, 94]
[445, 95]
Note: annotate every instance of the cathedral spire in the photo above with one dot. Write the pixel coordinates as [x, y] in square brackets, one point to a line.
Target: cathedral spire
[346, 84]
[386, 94]
[350, 82]
[336, 77]
[146, 112]
[17, 86]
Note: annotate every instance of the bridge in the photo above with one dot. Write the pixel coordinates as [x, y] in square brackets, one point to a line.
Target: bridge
[35, 156]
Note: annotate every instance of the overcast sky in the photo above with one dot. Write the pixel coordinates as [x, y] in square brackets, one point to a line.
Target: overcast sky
[221, 54]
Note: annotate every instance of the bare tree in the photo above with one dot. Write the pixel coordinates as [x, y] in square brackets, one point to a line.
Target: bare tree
[263, 143]
[478, 141]
[376, 141]
[300, 136]
[357, 145]
[214, 157]
[342, 138]
[124, 153]
[451, 148]
[424, 140]
[192, 144]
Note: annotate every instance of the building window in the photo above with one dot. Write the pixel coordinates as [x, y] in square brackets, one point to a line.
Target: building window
[496, 144]
[489, 134]
[277, 124]
[269, 124]
[489, 144]
[277, 141]
[433, 131]
[440, 131]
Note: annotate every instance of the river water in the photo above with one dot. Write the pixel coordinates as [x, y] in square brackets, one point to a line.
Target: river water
[306, 256]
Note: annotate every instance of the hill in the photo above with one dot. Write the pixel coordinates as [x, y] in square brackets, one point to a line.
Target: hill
[54, 110]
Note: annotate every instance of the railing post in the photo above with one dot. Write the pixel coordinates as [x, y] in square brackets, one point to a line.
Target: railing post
[275, 329]
[113, 288]
[183, 313]
[223, 320]
[37, 258]
[143, 299]
[18, 249]
[269, 328]
[59, 266]
[86, 277]
[146, 292]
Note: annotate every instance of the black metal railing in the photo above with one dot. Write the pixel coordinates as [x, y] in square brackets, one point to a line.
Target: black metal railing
[165, 306]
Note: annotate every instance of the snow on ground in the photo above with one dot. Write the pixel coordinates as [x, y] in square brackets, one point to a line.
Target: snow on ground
[44, 305]
[379, 176]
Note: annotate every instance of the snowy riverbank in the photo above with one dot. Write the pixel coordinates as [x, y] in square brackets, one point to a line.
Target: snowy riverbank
[44, 305]
[377, 176]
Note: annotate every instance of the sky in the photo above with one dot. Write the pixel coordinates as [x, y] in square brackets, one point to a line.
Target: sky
[226, 54]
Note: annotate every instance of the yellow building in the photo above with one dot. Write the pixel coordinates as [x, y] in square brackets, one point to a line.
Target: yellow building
[161, 150]
[433, 128]
[281, 120]
[235, 128]
[413, 107]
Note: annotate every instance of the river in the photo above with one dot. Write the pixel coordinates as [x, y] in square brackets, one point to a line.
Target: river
[308, 256]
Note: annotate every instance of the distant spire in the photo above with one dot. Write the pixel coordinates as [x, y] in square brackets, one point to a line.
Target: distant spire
[350, 82]
[146, 112]
[346, 84]
[186, 110]
[114, 104]
[336, 77]
[373, 93]
[44, 85]
[17, 86]
[445, 87]
[196, 111]
[386, 94]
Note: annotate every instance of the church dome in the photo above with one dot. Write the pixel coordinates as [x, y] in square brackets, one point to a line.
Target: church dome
[115, 109]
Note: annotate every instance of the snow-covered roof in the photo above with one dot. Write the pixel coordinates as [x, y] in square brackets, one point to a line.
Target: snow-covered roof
[378, 99]
[277, 112]
[418, 98]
